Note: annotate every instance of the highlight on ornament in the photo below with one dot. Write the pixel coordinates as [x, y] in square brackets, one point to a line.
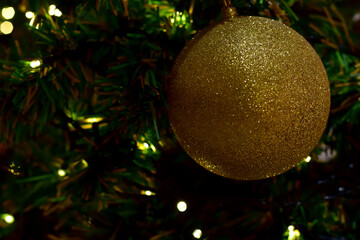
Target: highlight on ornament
[8, 13]
[181, 206]
[6, 27]
[248, 104]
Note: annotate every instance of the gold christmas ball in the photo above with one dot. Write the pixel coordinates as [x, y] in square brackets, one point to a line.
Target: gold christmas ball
[250, 98]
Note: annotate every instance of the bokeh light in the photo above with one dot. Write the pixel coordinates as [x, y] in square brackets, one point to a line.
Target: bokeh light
[6, 27]
[8, 12]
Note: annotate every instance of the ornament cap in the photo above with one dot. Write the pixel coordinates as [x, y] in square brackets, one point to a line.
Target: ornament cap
[229, 12]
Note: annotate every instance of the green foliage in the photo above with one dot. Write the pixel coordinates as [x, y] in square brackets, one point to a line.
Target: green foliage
[96, 109]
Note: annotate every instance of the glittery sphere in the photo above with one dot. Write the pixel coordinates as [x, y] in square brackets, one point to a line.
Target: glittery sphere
[249, 99]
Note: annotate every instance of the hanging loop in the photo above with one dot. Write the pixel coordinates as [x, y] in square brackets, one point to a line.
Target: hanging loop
[227, 3]
[228, 11]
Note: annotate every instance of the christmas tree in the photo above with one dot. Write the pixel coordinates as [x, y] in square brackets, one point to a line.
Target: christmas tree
[86, 147]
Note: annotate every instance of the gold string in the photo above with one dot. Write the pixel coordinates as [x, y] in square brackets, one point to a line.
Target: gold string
[227, 3]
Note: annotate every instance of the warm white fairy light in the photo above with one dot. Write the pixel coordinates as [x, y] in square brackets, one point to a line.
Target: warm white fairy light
[8, 12]
[93, 119]
[52, 10]
[178, 18]
[57, 13]
[8, 218]
[153, 147]
[32, 21]
[182, 206]
[61, 172]
[142, 145]
[147, 192]
[84, 163]
[29, 15]
[294, 234]
[35, 63]
[307, 159]
[197, 233]
[6, 27]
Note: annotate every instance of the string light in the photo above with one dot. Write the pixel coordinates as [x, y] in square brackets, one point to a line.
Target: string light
[178, 19]
[84, 163]
[8, 218]
[182, 206]
[29, 15]
[36, 63]
[197, 233]
[61, 172]
[58, 13]
[294, 234]
[93, 119]
[32, 21]
[87, 123]
[307, 159]
[6, 27]
[8, 12]
[147, 192]
[143, 146]
[52, 10]
[14, 169]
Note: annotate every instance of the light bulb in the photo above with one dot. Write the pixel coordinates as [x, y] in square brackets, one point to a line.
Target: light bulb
[307, 159]
[35, 63]
[93, 119]
[6, 27]
[52, 10]
[84, 163]
[8, 218]
[291, 228]
[182, 206]
[61, 172]
[197, 233]
[8, 12]
[57, 13]
[29, 15]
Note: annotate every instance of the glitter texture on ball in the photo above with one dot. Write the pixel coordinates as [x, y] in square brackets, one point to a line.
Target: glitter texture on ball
[250, 98]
